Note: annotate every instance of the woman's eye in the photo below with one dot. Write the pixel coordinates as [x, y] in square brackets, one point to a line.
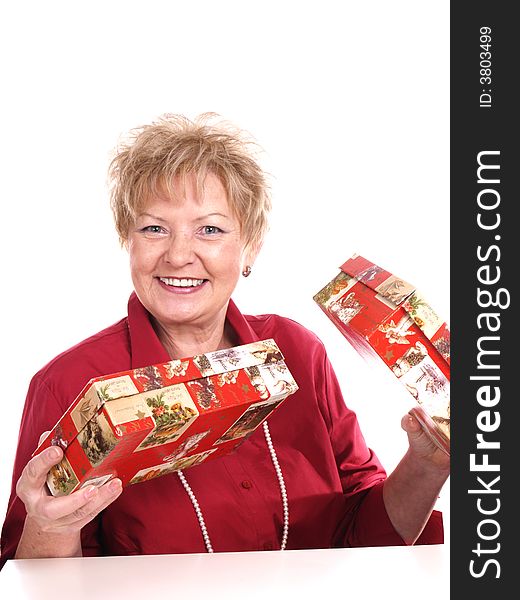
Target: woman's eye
[211, 229]
[152, 229]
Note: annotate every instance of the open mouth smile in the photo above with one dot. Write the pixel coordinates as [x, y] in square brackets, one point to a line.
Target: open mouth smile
[181, 283]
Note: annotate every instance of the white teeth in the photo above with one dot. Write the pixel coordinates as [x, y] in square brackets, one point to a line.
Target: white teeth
[181, 282]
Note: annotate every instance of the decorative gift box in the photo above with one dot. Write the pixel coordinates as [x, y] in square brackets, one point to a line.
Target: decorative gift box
[148, 422]
[382, 315]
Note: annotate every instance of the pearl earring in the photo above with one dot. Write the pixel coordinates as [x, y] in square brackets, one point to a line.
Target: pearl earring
[247, 271]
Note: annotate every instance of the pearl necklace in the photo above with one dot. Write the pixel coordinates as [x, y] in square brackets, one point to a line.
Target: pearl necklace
[283, 494]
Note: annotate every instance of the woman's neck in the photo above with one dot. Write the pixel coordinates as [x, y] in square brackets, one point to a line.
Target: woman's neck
[183, 342]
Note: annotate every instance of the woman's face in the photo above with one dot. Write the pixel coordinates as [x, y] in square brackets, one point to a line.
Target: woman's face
[186, 255]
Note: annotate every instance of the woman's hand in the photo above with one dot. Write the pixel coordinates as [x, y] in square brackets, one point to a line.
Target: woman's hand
[53, 525]
[411, 490]
[422, 448]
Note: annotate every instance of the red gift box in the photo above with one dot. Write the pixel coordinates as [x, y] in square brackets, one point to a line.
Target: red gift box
[155, 420]
[384, 316]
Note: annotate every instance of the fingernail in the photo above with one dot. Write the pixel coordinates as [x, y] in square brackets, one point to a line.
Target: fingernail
[115, 485]
[90, 491]
[54, 453]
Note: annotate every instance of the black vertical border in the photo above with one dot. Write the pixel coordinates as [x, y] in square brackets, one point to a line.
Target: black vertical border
[477, 127]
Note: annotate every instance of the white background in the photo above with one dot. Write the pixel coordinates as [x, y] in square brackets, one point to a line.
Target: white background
[350, 101]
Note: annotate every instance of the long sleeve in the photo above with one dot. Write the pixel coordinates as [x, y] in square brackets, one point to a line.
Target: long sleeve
[366, 522]
[41, 412]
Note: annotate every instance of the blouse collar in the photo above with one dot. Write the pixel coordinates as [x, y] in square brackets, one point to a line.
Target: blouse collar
[146, 348]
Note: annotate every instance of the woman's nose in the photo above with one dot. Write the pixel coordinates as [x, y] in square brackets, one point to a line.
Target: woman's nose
[180, 249]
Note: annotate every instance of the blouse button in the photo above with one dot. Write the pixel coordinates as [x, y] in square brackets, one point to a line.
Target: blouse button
[246, 484]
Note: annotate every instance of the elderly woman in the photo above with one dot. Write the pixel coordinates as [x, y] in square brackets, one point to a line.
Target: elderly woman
[191, 204]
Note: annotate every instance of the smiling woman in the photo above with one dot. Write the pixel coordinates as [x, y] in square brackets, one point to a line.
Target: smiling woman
[191, 207]
[190, 203]
[186, 256]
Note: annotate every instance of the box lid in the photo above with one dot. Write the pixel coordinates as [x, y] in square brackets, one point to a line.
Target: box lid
[395, 292]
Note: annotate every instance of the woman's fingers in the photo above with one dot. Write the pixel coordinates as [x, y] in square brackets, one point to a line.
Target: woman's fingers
[97, 499]
[71, 513]
[65, 513]
[32, 480]
[421, 443]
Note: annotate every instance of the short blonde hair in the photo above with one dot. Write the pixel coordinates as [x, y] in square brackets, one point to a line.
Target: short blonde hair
[151, 156]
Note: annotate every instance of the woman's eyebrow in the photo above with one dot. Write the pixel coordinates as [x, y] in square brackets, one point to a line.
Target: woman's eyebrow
[213, 214]
[155, 217]
[201, 218]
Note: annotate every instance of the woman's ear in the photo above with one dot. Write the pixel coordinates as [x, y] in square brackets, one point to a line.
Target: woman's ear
[249, 255]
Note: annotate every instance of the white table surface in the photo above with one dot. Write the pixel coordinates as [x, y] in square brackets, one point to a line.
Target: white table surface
[386, 572]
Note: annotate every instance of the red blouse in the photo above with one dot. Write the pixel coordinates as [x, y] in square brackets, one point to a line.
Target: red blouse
[333, 480]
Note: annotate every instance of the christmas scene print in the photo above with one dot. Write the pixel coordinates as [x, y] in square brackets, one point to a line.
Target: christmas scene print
[267, 352]
[229, 377]
[203, 364]
[434, 380]
[394, 290]
[369, 273]
[398, 334]
[191, 461]
[341, 282]
[410, 359]
[97, 439]
[61, 479]
[58, 438]
[173, 411]
[188, 445]
[97, 481]
[204, 389]
[115, 387]
[167, 468]
[346, 307]
[258, 381]
[221, 360]
[149, 377]
[423, 314]
[127, 410]
[239, 357]
[430, 388]
[85, 409]
[249, 420]
[277, 379]
[442, 345]
[177, 368]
